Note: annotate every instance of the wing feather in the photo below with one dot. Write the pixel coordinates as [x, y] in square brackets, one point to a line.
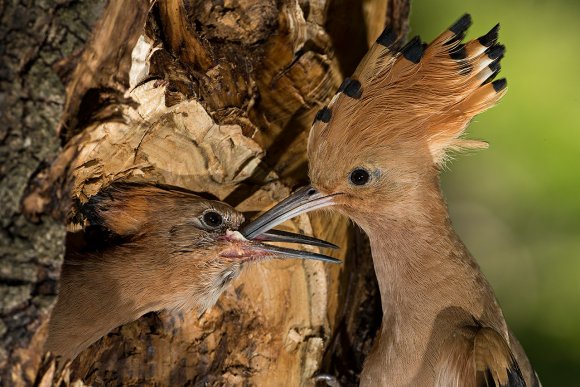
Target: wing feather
[477, 356]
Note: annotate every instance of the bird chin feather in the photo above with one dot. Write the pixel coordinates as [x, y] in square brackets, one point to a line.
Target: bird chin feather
[212, 291]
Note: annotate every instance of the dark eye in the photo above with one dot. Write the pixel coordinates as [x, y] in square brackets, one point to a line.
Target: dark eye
[213, 219]
[359, 176]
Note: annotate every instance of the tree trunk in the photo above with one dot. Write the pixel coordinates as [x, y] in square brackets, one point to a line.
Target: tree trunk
[213, 96]
[34, 36]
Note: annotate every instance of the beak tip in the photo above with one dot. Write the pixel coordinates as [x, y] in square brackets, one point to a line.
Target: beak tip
[333, 246]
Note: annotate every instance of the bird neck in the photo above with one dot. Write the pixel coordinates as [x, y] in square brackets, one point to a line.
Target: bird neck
[423, 268]
[97, 295]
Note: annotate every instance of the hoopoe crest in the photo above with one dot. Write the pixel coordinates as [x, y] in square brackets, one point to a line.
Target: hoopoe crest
[402, 100]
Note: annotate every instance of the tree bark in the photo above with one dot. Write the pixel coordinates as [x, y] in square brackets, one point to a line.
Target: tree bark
[215, 97]
[34, 36]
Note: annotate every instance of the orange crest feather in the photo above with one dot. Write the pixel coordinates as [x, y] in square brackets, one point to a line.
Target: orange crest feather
[398, 97]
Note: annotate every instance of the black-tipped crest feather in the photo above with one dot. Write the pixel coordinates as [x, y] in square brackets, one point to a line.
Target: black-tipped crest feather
[490, 38]
[413, 51]
[351, 87]
[461, 25]
[495, 66]
[388, 37]
[458, 53]
[499, 85]
[496, 52]
[324, 115]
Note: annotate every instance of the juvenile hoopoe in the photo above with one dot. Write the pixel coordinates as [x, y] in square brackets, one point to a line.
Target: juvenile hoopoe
[375, 154]
[167, 249]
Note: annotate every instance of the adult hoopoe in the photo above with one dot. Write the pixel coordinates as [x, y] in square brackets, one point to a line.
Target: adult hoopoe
[166, 248]
[375, 155]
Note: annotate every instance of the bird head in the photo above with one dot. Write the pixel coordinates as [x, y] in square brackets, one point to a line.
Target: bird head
[181, 249]
[380, 143]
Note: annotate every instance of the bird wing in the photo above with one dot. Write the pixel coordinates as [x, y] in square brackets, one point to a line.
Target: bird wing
[477, 356]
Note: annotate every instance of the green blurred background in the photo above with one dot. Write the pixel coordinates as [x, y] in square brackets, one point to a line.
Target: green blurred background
[517, 204]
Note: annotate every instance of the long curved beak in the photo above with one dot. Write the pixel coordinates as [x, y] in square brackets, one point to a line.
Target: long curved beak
[303, 200]
[260, 230]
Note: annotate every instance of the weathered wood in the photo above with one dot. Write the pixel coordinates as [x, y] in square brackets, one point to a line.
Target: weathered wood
[219, 97]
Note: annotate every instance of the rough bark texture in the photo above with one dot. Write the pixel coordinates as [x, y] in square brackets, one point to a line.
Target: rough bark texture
[215, 97]
[34, 36]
